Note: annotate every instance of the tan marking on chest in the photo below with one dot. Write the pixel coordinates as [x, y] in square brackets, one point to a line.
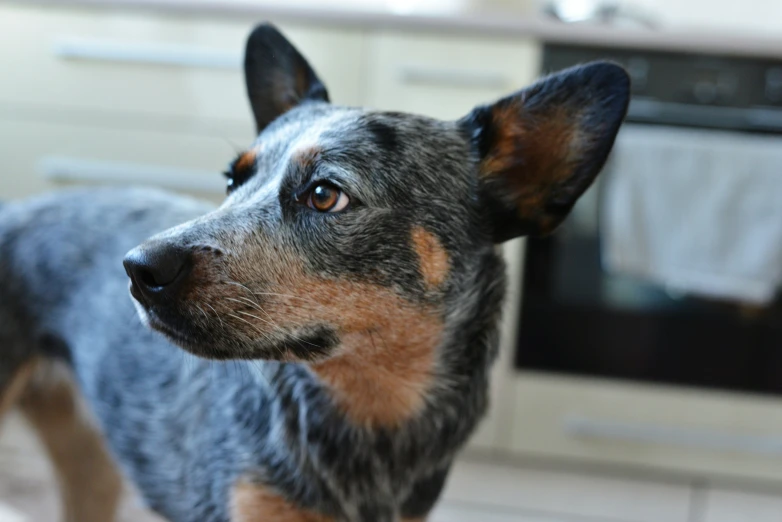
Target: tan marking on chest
[256, 503]
[432, 258]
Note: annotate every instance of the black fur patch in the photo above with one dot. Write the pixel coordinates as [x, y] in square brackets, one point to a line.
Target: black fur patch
[385, 136]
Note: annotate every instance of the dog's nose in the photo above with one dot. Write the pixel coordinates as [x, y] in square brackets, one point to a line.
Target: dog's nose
[156, 270]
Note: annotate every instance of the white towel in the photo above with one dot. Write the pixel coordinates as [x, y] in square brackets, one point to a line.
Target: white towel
[697, 211]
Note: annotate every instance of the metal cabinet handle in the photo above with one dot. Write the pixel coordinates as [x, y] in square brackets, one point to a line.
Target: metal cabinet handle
[72, 48]
[61, 168]
[453, 78]
[582, 426]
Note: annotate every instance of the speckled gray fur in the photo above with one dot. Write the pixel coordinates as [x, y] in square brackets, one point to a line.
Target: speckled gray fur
[186, 428]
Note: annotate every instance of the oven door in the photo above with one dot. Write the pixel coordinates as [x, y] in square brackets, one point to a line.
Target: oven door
[580, 319]
[614, 369]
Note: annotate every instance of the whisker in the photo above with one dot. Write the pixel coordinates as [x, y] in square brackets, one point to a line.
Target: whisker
[243, 300]
[218, 315]
[206, 317]
[249, 323]
[278, 328]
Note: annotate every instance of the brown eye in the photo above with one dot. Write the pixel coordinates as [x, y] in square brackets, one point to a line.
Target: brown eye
[327, 198]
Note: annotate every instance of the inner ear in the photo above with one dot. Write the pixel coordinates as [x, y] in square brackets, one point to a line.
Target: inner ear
[278, 77]
[539, 149]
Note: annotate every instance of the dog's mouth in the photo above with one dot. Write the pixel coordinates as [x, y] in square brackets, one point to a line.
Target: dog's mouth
[179, 338]
[219, 341]
[177, 332]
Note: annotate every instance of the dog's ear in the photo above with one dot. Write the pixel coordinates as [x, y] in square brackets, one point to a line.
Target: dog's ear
[539, 149]
[278, 77]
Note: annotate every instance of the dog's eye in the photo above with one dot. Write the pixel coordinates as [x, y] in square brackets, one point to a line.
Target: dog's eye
[239, 170]
[325, 197]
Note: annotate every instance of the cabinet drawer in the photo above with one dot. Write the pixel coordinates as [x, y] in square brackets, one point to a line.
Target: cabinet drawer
[445, 76]
[178, 67]
[737, 506]
[560, 495]
[42, 156]
[701, 434]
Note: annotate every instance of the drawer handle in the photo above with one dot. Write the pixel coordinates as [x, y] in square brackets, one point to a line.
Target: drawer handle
[60, 168]
[587, 427]
[176, 55]
[453, 78]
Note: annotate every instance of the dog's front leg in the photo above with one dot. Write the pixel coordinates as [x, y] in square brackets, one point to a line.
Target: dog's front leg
[89, 481]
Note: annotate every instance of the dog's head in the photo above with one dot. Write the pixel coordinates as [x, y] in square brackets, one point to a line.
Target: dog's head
[343, 222]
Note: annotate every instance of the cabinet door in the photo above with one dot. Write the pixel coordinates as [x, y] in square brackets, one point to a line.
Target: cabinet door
[445, 76]
[149, 68]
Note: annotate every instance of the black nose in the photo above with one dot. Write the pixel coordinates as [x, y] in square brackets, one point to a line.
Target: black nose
[157, 270]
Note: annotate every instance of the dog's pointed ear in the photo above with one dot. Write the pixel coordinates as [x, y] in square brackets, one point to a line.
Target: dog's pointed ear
[539, 149]
[278, 77]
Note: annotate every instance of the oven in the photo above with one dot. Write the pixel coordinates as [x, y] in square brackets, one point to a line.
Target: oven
[579, 318]
[616, 368]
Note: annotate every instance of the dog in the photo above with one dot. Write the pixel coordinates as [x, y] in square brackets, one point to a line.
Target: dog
[318, 347]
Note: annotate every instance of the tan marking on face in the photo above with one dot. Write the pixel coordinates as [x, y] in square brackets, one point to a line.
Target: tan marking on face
[257, 503]
[246, 161]
[432, 258]
[306, 155]
[386, 362]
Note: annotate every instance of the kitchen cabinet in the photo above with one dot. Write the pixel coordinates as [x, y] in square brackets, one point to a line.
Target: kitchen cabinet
[738, 506]
[40, 156]
[652, 428]
[103, 96]
[540, 494]
[445, 76]
[116, 96]
[128, 68]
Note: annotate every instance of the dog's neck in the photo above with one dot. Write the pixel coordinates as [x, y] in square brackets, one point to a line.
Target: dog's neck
[387, 376]
[381, 378]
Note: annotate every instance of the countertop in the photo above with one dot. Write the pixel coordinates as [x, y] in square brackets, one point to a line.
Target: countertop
[497, 21]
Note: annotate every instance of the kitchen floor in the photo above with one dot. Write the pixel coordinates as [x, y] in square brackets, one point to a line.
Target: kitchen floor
[478, 490]
[28, 492]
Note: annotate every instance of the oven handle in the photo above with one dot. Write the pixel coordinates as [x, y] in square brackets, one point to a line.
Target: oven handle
[643, 110]
[585, 427]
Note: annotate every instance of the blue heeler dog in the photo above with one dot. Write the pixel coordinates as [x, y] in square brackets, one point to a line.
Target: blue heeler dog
[318, 347]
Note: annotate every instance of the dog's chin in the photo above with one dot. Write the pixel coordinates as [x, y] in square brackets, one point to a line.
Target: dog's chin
[177, 335]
